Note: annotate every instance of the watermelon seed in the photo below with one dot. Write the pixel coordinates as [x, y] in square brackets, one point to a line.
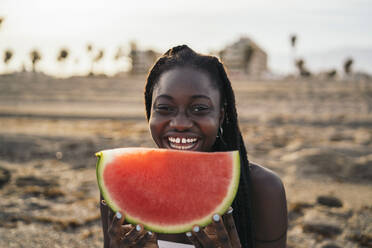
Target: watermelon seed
[216, 218]
[196, 229]
[118, 215]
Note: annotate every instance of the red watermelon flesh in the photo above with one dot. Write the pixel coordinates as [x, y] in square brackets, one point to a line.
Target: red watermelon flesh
[168, 191]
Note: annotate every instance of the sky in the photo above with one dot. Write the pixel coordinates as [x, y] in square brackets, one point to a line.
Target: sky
[339, 27]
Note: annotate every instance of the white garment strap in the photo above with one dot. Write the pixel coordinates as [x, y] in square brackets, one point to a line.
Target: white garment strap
[168, 244]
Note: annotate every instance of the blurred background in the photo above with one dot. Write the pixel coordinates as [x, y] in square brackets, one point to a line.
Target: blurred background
[327, 33]
[71, 83]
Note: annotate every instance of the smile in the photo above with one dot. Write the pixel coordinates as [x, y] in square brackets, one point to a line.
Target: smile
[182, 143]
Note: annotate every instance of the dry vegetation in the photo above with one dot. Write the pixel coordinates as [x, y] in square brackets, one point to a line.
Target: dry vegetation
[317, 135]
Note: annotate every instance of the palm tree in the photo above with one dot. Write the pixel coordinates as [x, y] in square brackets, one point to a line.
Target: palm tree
[98, 56]
[133, 49]
[331, 73]
[293, 42]
[300, 64]
[133, 54]
[35, 58]
[119, 54]
[1, 20]
[8, 54]
[62, 55]
[293, 39]
[89, 48]
[347, 66]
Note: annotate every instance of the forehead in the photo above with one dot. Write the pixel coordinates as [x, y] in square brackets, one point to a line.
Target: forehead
[186, 81]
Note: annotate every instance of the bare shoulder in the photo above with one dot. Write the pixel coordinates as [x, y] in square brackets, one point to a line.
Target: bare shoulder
[265, 180]
[269, 207]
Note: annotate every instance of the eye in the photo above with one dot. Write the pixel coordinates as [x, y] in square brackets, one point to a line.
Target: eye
[164, 109]
[199, 109]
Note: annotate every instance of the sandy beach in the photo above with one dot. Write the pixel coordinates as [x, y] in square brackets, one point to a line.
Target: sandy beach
[315, 134]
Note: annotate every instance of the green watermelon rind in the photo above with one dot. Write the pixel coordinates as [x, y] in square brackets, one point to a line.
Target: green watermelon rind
[102, 189]
[221, 209]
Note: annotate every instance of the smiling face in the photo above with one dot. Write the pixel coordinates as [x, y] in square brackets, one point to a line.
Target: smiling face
[185, 112]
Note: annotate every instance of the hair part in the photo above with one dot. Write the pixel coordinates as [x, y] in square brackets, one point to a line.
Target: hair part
[230, 139]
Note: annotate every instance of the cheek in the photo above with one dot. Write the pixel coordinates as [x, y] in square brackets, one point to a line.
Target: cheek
[210, 128]
[210, 131]
[156, 127]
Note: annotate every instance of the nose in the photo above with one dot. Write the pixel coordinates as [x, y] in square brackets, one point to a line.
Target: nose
[181, 122]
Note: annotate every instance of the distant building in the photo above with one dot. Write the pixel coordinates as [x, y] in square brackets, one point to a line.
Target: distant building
[244, 57]
[142, 60]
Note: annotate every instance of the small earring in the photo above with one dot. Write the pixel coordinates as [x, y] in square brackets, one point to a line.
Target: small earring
[220, 132]
[219, 137]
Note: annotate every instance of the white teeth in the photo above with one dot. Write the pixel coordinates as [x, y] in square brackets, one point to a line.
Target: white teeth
[183, 147]
[175, 142]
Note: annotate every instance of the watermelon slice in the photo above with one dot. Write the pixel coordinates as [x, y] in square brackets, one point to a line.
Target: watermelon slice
[168, 191]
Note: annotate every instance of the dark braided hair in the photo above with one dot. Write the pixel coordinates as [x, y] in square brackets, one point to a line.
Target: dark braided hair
[229, 139]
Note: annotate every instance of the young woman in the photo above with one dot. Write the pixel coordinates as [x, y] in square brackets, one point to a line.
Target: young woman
[190, 105]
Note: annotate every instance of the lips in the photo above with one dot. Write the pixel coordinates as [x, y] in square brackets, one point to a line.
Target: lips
[182, 142]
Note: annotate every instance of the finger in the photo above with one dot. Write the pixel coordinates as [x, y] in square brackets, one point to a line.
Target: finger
[228, 220]
[202, 237]
[148, 237]
[153, 241]
[105, 210]
[109, 213]
[222, 235]
[131, 237]
[104, 215]
[126, 228]
[115, 227]
[193, 240]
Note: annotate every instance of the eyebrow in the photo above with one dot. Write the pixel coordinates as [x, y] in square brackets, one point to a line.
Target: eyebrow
[164, 96]
[200, 96]
[193, 97]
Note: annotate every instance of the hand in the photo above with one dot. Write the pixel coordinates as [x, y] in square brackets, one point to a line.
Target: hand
[129, 235]
[221, 233]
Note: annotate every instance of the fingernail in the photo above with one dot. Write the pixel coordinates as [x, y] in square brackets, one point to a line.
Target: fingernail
[103, 202]
[149, 233]
[189, 234]
[118, 215]
[216, 217]
[138, 227]
[230, 210]
[196, 229]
